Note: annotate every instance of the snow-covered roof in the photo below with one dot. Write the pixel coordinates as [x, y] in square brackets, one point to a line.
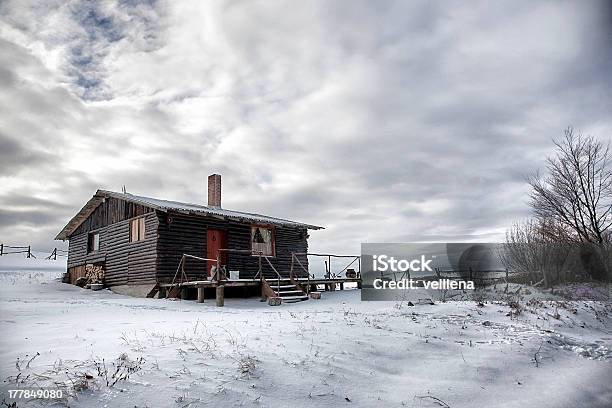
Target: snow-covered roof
[167, 205]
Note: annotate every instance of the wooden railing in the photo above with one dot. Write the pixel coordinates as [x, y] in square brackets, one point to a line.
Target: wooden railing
[264, 281]
[181, 268]
[295, 260]
[218, 276]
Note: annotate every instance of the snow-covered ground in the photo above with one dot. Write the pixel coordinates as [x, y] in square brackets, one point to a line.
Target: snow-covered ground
[337, 351]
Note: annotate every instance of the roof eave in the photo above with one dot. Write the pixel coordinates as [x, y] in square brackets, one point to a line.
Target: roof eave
[100, 195]
[244, 219]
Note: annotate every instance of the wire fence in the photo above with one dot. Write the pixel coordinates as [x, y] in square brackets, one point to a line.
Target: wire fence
[27, 250]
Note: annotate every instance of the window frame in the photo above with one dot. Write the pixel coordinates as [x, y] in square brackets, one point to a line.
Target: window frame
[93, 237]
[272, 229]
[140, 228]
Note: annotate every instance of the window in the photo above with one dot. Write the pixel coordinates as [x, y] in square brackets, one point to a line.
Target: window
[262, 240]
[137, 229]
[93, 242]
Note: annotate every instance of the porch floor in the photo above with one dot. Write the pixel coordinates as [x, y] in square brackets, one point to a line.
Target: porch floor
[256, 282]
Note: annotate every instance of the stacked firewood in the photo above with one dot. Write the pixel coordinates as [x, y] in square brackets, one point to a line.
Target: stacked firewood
[94, 273]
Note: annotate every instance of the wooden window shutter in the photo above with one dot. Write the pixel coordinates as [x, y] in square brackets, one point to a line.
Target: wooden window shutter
[141, 229]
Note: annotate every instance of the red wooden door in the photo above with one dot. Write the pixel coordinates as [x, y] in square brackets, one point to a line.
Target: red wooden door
[215, 240]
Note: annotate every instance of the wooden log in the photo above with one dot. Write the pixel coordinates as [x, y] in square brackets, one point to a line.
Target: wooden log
[220, 295]
[200, 294]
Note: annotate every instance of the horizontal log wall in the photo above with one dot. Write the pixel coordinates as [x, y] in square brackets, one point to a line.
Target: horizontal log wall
[183, 233]
[125, 262]
[287, 240]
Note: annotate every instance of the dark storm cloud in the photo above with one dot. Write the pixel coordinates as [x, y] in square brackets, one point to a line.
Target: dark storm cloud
[15, 155]
[37, 218]
[382, 121]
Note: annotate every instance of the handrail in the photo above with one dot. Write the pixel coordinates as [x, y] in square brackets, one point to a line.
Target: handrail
[328, 273]
[181, 267]
[294, 256]
[260, 269]
[229, 250]
[274, 269]
[331, 255]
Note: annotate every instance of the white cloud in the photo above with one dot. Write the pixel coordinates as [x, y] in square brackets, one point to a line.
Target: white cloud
[382, 121]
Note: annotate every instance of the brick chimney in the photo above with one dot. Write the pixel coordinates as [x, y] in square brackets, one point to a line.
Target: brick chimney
[214, 190]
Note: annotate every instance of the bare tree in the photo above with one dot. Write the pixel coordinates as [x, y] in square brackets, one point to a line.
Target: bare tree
[577, 193]
[576, 197]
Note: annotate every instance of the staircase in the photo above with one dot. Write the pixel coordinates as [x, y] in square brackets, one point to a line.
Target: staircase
[286, 290]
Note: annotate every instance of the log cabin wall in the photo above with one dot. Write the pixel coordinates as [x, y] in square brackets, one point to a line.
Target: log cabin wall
[125, 262]
[182, 233]
[112, 210]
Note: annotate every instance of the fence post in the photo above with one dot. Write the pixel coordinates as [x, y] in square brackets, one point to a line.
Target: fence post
[29, 251]
[1, 249]
[506, 290]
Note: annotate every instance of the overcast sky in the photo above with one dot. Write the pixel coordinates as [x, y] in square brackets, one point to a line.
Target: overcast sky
[382, 121]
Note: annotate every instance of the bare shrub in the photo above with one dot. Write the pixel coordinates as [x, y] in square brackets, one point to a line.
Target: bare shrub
[247, 365]
[538, 249]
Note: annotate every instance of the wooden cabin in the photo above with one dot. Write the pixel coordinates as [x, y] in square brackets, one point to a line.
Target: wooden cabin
[139, 241]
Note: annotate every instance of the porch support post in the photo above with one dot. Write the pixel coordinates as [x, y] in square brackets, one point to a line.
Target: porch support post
[200, 294]
[220, 295]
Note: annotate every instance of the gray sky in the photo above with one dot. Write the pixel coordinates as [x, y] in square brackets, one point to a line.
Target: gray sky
[383, 121]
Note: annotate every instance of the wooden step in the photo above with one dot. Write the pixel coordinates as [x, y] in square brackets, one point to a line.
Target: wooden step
[290, 293]
[275, 287]
[292, 299]
[286, 290]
